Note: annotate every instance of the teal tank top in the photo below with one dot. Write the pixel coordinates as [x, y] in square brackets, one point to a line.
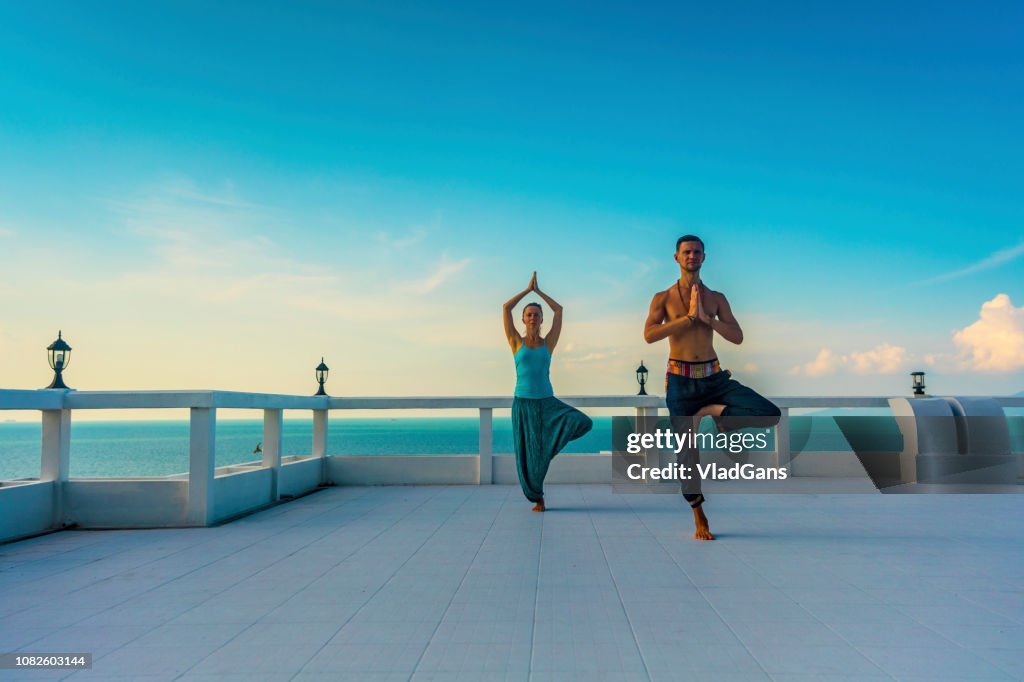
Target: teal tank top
[533, 365]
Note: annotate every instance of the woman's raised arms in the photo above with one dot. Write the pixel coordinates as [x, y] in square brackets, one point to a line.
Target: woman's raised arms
[551, 340]
[515, 339]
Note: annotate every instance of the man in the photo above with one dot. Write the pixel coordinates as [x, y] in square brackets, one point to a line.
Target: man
[688, 314]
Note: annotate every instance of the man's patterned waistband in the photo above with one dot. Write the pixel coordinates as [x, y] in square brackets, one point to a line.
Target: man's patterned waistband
[694, 370]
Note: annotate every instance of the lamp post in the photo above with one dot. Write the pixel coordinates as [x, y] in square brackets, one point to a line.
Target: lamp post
[641, 378]
[321, 376]
[60, 358]
[917, 379]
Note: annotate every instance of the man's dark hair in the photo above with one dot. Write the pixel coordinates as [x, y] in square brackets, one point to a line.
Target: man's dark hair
[533, 303]
[690, 238]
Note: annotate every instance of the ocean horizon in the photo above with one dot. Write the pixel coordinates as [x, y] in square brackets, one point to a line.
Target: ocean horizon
[160, 448]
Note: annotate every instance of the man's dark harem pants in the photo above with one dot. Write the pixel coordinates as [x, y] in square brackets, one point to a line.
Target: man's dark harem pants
[685, 397]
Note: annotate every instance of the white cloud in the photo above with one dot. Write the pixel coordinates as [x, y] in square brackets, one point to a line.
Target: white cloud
[6, 232]
[996, 259]
[882, 359]
[826, 362]
[995, 343]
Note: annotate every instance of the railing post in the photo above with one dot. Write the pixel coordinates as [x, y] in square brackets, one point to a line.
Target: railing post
[486, 446]
[643, 422]
[202, 446]
[646, 412]
[320, 440]
[272, 423]
[783, 455]
[55, 457]
[319, 433]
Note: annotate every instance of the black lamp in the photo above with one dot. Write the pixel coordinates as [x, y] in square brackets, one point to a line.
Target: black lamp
[918, 382]
[60, 358]
[641, 378]
[321, 376]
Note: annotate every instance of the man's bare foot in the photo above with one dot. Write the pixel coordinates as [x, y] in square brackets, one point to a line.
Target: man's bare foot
[700, 521]
[539, 507]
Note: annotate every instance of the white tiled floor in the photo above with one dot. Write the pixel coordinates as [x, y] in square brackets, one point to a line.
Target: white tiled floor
[465, 583]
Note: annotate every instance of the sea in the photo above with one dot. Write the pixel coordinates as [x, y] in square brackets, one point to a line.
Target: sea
[160, 448]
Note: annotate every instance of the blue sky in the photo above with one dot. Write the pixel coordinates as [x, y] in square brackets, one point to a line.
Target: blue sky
[243, 188]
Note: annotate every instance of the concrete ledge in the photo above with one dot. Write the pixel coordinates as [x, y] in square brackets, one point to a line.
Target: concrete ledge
[403, 469]
[126, 503]
[565, 468]
[968, 469]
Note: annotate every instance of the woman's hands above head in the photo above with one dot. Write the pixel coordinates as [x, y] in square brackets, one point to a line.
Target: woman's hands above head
[533, 283]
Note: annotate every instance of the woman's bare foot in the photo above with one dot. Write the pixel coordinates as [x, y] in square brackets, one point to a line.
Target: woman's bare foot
[702, 532]
[539, 507]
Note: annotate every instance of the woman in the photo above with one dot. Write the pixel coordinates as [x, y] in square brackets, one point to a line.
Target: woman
[541, 424]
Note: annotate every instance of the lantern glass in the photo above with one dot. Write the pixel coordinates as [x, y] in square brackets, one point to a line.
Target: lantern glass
[321, 375]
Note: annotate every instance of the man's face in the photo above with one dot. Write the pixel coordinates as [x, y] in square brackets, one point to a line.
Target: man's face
[690, 256]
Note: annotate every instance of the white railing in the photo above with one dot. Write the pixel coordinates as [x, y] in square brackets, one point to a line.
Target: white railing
[210, 496]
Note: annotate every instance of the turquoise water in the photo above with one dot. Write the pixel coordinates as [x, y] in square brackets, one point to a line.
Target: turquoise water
[160, 448]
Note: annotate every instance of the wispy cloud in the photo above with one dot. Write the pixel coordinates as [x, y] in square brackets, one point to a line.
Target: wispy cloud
[443, 271]
[995, 260]
[185, 190]
[210, 248]
[631, 267]
[393, 241]
[575, 358]
[216, 252]
[6, 232]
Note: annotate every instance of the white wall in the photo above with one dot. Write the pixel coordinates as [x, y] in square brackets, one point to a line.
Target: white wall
[300, 476]
[25, 509]
[403, 470]
[236, 494]
[565, 468]
[126, 503]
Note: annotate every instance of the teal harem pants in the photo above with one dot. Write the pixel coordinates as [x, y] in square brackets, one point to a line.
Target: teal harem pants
[541, 427]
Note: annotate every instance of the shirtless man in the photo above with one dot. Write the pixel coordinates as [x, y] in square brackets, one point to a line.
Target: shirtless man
[688, 314]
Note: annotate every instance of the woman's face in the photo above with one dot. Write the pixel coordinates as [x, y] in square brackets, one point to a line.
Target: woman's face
[533, 317]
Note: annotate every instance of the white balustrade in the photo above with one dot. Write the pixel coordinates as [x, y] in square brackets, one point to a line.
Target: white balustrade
[52, 500]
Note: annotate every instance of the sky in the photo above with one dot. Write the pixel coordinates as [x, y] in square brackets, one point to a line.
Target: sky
[217, 195]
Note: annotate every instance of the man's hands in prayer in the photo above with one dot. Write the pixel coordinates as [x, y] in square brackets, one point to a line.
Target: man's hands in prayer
[697, 306]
